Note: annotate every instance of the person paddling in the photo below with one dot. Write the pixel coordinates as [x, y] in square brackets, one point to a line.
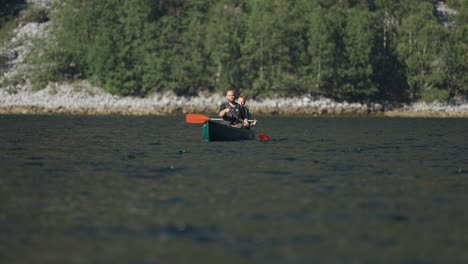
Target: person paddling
[232, 113]
[242, 100]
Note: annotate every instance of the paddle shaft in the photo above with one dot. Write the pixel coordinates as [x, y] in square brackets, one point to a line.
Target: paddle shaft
[200, 119]
[219, 119]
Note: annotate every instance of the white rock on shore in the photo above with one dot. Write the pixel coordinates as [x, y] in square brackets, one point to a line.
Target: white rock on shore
[83, 98]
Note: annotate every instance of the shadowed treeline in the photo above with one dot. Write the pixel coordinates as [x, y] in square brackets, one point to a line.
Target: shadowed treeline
[9, 9]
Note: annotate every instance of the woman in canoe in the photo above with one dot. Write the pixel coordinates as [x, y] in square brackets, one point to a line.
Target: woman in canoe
[232, 113]
[242, 100]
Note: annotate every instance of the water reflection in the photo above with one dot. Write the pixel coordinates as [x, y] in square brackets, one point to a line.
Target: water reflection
[149, 190]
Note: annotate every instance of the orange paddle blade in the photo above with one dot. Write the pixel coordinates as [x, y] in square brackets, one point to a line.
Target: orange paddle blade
[264, 137]
[196, 118]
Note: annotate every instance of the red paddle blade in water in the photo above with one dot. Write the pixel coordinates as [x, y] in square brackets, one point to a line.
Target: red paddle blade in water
[264, 137]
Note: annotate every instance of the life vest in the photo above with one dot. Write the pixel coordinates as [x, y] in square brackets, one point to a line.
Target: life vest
[234, 115]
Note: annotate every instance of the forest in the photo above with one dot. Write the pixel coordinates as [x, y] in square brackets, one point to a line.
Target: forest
[356, 50]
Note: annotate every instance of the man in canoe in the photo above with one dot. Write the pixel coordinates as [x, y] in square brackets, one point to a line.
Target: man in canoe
[232, 113]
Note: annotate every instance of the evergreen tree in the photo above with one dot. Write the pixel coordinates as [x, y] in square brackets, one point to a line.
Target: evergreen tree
[389, 72]
[225, 35]
[455, 51]
[356, 73]
[322, 49]
[274, 48]
[419, 47]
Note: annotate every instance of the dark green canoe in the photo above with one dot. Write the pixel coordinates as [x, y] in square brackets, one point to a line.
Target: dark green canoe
[215, 131]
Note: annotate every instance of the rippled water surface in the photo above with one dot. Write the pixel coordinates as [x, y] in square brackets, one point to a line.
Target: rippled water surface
[113, 189]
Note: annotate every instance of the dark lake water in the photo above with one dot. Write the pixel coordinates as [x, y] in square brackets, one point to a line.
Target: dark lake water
[115, 189]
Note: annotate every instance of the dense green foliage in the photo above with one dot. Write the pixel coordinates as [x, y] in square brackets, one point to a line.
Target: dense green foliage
[9, 9]
[344, 49]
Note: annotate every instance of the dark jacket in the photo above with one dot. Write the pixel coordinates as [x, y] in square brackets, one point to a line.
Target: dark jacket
[247, 113]
[236, 114]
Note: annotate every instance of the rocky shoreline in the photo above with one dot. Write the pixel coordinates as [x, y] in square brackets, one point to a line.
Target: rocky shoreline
[81, 98]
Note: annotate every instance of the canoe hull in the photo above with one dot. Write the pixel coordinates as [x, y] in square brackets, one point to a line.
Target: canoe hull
[215, 131]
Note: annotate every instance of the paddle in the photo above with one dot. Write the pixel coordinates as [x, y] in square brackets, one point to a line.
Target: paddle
[196, 118]
[201, 119]
[263, 137]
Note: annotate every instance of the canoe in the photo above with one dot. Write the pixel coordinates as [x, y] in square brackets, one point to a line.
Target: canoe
[215, 131]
